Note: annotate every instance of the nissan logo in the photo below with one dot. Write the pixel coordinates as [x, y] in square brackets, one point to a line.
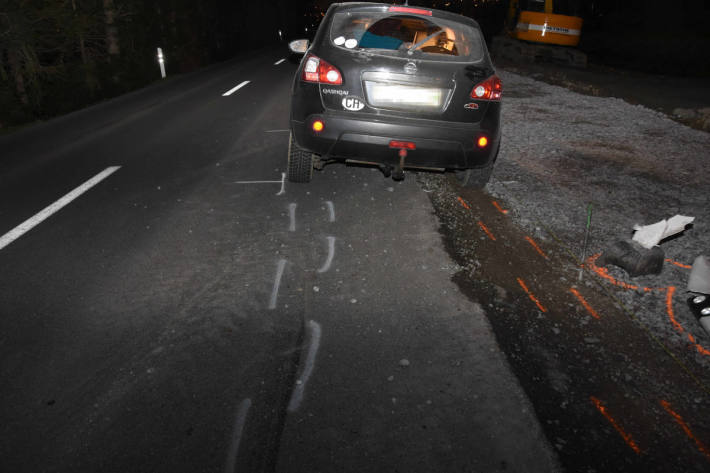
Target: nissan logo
[410, 68]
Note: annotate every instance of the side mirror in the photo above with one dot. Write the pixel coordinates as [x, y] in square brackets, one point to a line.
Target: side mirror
[298, 46]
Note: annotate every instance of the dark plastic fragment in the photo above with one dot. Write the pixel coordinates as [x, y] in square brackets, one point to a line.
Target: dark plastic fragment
[633, 258]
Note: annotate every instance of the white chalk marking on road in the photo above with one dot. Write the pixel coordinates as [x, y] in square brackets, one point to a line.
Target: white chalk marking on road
[231, 91]
[277, 282]
[331, 211]
[283, 184]
[297, 394]
[237, 435]
[279, 62]
[331, 253]
[48, 211]
[292, 217]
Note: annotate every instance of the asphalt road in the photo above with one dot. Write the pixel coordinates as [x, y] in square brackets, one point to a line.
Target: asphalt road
[189, 311]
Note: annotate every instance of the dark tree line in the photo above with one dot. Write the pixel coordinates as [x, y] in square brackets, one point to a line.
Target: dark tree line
[60, 55]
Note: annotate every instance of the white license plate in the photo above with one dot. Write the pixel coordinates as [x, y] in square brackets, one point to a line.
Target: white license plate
[385, 95]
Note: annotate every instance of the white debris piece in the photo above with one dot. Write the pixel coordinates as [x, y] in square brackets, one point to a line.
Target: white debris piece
[649, 236]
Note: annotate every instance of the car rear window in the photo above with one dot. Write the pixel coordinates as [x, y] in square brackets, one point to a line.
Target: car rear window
[406, 35]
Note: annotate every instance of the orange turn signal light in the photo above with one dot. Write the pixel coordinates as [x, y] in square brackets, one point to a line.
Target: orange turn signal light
[482, 142]
[318, 126]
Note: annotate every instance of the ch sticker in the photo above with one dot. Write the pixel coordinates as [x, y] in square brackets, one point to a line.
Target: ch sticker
[353, 103]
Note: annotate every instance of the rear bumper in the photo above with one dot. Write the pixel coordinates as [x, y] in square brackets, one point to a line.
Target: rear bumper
[438, 144]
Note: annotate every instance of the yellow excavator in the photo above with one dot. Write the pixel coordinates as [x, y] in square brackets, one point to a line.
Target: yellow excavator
[542, 30]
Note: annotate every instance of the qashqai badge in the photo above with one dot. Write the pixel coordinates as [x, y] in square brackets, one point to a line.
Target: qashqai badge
[353, 103]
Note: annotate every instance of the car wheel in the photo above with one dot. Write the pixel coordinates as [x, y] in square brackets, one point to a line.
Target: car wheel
[475, 178]
[300, 162]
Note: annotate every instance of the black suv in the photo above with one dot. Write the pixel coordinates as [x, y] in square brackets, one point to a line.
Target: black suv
[398, 87]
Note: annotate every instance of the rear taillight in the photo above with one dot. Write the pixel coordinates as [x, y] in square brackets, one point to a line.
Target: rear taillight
[318, 70]
[489, 89]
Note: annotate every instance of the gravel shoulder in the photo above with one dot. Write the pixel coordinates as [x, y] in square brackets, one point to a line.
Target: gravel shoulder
[610, 362]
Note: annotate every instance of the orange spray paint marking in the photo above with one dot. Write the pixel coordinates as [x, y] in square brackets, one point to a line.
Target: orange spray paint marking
[670, 291]
[680, 265]
[485, 229]
[531, 296]
[627, 438]
[585, 303]
[535, 245]
[500, 209]
[464, 204]
[604, 273]
[703, 449]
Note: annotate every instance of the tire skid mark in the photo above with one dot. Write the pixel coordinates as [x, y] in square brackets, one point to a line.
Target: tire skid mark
[627, 438]
[314, 335]
[331, 254]
[670, 292]
[237, 433]
[686, 428]
[292, 217]
[277, 282]
[331, 210]
[584, 303]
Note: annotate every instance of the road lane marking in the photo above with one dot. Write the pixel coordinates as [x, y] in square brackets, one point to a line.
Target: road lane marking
[279, 62]
[297, 394]
[276, 131]
[231, 91]
[241, 419]
[277, 282]
[292, 217]
[627, 438]
[331, 253]
[331, 210]
[48, 211]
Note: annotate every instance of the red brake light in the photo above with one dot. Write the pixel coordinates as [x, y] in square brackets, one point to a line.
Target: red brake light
[416, 11]
[402, 145]
[317, 70]
[489, 89]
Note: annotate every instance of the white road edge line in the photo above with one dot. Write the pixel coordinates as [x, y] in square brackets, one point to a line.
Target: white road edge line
[279, 62]
[331, 210]
[47, 212]
[331, 253]
[277, 282]
[231, 91]
[257, 182]
[297, 394]
[292, 217]
[237, 435]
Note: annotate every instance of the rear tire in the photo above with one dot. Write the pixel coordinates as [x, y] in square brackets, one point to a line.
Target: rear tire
[475, 178]
[300, 162]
